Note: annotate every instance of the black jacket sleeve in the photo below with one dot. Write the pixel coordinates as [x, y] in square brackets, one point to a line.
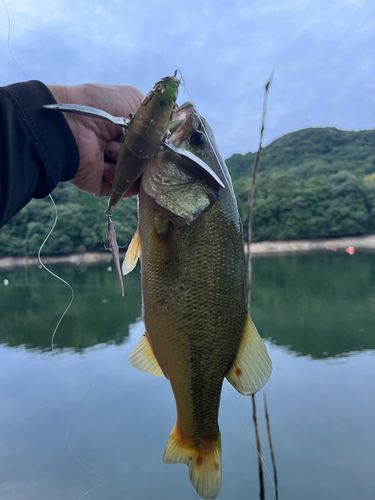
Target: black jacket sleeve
[37, 147]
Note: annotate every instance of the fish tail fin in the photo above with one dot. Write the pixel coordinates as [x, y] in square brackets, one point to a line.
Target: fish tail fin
[203, 460]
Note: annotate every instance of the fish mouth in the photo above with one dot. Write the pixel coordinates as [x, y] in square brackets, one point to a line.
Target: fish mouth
[179, 121]
[180, 115]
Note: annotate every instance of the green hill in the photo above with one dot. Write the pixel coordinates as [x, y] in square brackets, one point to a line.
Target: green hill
[313, 183]
[81, 224]
[311, 152]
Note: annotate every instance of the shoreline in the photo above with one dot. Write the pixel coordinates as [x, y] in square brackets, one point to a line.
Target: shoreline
[300, 246]
[261, 248]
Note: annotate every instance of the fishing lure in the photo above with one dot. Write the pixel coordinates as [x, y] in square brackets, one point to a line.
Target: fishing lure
[147, 130]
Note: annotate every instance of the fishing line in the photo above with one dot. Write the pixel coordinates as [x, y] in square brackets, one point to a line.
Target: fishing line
[201, 119]
[63, 281]
[252, 442]
[8, 42]
[28, 285]
[55, 275]
[90, 491]
[62, 361]
[68, 306]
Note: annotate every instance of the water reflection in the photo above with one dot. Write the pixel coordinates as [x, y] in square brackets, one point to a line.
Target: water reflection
[32, 303]
[320, 305]
[322, 410]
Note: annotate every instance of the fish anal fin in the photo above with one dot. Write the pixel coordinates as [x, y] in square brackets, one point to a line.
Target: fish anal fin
[252, 365]
[132, 255]
[143, 358]
[203, 459]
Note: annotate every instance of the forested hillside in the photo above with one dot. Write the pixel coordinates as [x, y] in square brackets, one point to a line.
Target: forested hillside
[313, 183]
[81, 224]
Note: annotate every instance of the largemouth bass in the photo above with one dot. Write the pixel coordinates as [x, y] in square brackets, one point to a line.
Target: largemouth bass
[193, 272]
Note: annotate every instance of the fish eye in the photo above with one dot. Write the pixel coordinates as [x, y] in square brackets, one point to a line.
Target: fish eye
[197, 138]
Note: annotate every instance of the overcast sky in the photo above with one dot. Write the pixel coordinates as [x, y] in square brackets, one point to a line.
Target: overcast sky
[322, 51]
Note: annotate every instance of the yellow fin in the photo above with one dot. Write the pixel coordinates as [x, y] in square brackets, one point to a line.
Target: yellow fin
[203, 460]
[252, 365]
[144, 359]
[132, 254]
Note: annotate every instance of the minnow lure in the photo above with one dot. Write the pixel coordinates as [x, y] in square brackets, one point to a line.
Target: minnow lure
[147, 130]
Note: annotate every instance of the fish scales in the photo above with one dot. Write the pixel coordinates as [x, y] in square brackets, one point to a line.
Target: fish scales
[194, 298]
[201, 291]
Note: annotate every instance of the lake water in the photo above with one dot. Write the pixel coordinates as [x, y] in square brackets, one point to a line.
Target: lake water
[317, 314]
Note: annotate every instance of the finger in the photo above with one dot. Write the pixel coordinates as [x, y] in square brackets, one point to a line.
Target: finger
[112, 150]
[109, 172]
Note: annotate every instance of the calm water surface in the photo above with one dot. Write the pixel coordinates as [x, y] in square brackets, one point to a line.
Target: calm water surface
[317, 314]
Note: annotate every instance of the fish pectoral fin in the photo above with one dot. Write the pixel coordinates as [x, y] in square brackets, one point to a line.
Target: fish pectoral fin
[132, 255]
[143, 358]
[252, 365]
[203, 460]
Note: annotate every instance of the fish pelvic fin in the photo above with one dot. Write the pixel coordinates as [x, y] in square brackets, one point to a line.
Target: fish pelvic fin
[252, 365]
[203, 459]
[132, 255]
[143, 358]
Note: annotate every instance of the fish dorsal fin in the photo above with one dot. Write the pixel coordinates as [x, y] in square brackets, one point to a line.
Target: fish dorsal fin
[144, 359]
[132, 255]
[252, 365]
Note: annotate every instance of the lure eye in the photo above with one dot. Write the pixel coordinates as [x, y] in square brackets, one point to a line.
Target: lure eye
[197, 138]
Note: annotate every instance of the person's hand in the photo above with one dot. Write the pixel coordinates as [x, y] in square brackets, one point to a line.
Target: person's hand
[97, 139]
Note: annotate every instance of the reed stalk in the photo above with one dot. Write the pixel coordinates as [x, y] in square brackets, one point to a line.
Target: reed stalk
[250, 199]
[249, 216]
[259, 450]
[271, 446]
